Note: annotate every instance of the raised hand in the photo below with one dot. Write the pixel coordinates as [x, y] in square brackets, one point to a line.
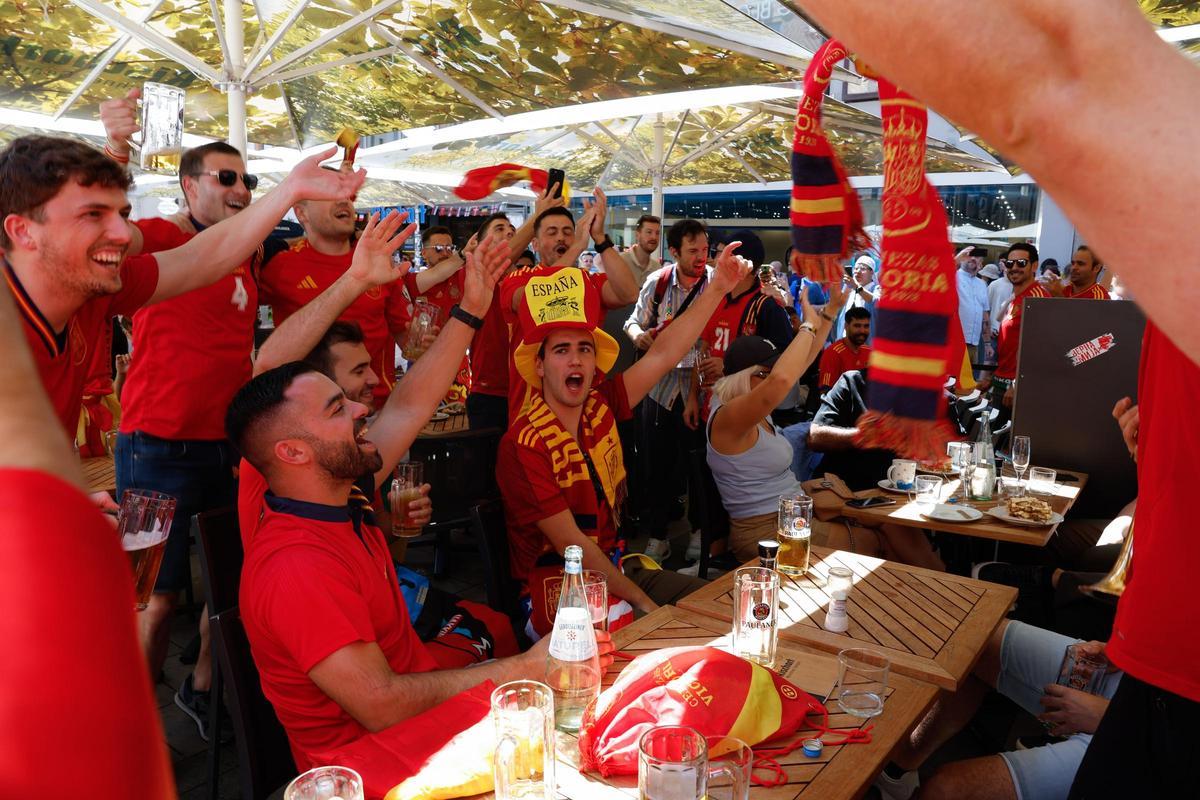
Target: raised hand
[1071, 711]
[120, 119]
[485, 266]
[599, 212]
[547, 200]
[372, 263]
[731, 268]
[308, 180]
[838, 292]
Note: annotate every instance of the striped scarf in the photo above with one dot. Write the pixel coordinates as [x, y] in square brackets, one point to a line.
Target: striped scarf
[825, 214]
[567, 459]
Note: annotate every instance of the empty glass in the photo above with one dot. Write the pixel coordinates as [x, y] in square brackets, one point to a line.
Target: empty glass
[1041, 480]
[1083, 669]
[862, 681]
[595, 587]
[927, 491]
[523, 767]
[326, 783]
[1020, 456]
[673, 765]
[755, 614]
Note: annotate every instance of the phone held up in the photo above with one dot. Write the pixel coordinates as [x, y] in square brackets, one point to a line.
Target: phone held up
[556, 178]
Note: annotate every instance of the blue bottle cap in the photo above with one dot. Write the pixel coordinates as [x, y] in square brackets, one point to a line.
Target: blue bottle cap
[813, 747]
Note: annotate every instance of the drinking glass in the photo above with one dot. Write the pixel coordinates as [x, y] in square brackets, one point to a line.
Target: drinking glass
[523, 767]
[1082, 669]
[425, 317]
[1041, 480]
[1020, 456]
[110, 443]
[162, 128]
[794, 528]
[862, 681]
[927, 491]
[673, 765]
[406, 487]
[729, 772]
[595, 587]
[755, 614]
[144, 523]
[960, 454]
[326, 783]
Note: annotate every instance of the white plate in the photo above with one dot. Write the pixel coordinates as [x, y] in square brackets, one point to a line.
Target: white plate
[888, 486]
[1001, 513]
[947, 512]
[438, 417]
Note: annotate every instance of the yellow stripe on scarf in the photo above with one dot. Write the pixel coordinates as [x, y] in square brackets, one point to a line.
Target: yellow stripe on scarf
[913, 365]
[566, 457]
[822, 206]
[761, 714]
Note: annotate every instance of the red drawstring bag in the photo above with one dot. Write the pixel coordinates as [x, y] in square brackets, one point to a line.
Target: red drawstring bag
[721, 695]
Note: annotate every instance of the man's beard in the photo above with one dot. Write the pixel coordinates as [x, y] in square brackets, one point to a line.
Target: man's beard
[345, 460]
[78, 281]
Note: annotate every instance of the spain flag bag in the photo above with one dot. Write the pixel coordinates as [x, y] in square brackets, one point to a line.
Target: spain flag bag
[720, 695]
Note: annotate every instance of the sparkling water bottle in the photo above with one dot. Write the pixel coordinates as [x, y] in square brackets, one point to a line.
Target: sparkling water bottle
[573, 666]
[983, 479]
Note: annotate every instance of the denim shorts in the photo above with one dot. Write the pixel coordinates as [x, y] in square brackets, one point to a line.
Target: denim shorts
[1029, 660]
[198, 474]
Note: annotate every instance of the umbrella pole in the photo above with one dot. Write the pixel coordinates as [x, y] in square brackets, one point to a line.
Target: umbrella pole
[656, 202]
[236, 88]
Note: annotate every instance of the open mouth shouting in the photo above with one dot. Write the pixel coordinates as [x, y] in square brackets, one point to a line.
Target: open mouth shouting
[574, 382]
[235, 205]
[360, 437]
[108, 256]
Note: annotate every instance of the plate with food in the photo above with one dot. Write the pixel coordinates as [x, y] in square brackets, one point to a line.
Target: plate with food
[939, 466]
[439, 417]
[1027, 511]
[948, 512]
[454, 409]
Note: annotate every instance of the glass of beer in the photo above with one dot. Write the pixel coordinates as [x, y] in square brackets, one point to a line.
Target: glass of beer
[144, 522]
[523, 712]
[406, 487]
[595, 587]
[426, 317]
[162, 128]
[326, 783]
[795, 533]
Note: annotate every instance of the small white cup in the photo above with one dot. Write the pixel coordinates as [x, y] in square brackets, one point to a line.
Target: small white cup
[902, 473]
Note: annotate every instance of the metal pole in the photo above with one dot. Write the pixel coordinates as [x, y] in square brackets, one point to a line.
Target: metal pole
[656, 174]
[236, 88]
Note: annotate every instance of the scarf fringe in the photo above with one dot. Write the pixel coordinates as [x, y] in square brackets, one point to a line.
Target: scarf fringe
[919, 439]
[822, 269]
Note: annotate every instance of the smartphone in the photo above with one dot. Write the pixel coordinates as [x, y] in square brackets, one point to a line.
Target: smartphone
[556, 176]
[870, 502]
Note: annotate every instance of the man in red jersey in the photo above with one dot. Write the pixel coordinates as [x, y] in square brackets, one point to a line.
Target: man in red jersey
[437, 248]
[341, 659]
[1060, 127]
[1020, 264]
[849, 352]
[1085, 270]
[57, 648]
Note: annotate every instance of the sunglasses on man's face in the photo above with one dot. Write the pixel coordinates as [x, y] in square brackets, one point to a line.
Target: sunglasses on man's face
[1017, 262]
[228, 177]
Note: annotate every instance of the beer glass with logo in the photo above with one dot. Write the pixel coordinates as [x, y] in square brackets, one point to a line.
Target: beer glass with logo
[795, 534]
[425, 318]
[523, 766]
[673, 764]
[406, 487]
[144, 522]
[326, 783]
[756, 614]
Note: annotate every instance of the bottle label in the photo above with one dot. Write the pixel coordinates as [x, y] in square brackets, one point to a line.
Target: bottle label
[573, 638]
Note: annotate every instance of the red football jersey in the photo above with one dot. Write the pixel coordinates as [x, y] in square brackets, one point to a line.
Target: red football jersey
[489, 353]
[292, 279]
[312, 585]
[191, 353]
[445, 295]
[839, 358]
[64, 358]
[1093, 292]
[1009, 341]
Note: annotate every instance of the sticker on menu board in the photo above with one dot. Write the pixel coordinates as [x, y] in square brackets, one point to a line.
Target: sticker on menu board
[1083, 353]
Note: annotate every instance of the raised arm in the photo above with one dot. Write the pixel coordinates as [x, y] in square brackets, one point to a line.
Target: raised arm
[1081, 64]
[217, 251]
[621, 289]
[562, 531]
[371, 266]
[431, 276]
[414, 399]
[677, 338]
[520, 240]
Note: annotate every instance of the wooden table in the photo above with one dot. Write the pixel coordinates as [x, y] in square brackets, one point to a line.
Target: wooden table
[931, 625]
[908, 514]
[100, 474]
[452, 425]
[840, 772]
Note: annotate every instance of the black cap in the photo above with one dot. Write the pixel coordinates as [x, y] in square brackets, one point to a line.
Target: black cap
[750, 351]
[752, 246]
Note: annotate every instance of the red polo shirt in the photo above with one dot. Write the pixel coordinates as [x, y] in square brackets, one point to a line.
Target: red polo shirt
[316, 579]
[50, 696]
[191, 353]
[293, 278]
[489, 353]
[1154, 634]
[64, 358]
[513, 283]
[839, 357]
[1093, 292]
[1009, 342]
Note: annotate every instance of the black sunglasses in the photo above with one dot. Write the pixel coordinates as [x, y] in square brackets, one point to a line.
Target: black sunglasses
[1017, 262]
[228, 177]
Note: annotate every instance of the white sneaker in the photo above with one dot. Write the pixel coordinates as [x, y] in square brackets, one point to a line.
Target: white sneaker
[692, 570]
[901, 788]
[693, 549]
[658, 549]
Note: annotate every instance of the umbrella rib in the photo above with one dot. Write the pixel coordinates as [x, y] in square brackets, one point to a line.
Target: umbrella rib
[220, 28]
[320, 41]
[115, 50]
[675, 139]
[261, 53]
[149, 37]
[437, 72]
[301, 72]
[608, 167]
[716, 143]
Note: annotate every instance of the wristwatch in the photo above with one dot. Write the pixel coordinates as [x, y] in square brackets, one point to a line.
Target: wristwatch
[808, 326]
[466, 317]
[607, 243]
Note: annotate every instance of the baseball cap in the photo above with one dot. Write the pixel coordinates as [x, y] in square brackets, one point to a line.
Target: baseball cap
[750, 351]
